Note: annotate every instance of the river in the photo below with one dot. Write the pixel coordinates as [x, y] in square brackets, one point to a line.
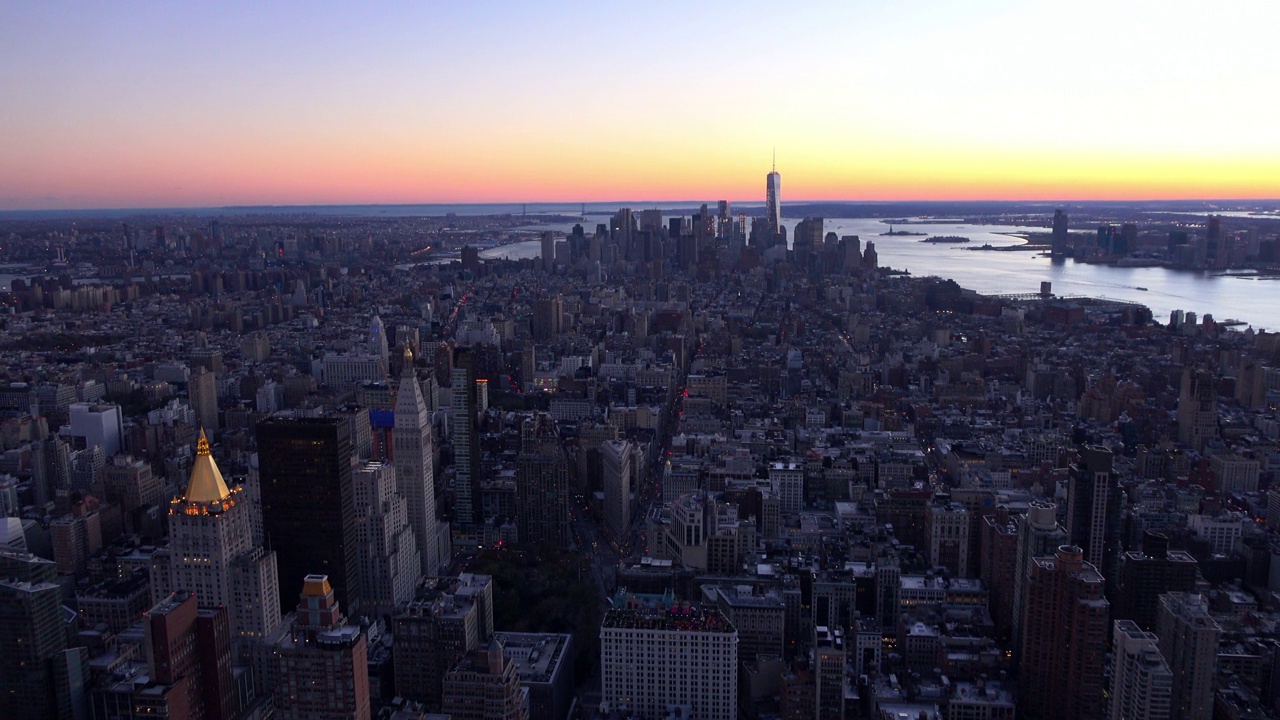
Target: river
[1253, 300]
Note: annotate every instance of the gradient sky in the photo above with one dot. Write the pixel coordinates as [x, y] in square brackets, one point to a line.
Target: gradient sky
[162, 104]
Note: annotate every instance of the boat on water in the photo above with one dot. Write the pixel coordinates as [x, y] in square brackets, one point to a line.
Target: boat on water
[1140, 288]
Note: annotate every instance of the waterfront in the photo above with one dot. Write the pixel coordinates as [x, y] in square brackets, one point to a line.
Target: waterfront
[1253, 300]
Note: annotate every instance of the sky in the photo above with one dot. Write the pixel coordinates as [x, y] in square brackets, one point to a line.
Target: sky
[176, 104]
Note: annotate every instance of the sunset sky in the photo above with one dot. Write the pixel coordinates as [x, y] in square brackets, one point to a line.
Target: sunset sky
[177, 104]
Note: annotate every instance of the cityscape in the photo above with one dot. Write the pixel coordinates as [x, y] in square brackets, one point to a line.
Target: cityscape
[308, 445]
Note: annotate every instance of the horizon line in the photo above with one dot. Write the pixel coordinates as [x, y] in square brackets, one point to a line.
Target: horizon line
[623, 202]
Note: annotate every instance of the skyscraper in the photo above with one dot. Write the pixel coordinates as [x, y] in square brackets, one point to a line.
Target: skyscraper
[1197, 408]
[308, 508]
[1189, 642]
[616, 479]
[542, 484]
[189, 653]
[203, 391]
[318, 667]
[1060, 238]
[390, 566]
[1064, 638]
[1141, 683]
[212, 553]
[466, 439]
[1093, 508]
[34, 637]
[413, 442]
[378, 340]
[773, 199]
[1144, 576]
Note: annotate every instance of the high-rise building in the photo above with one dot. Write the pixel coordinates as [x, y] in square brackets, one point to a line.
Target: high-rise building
[829, 660]
[413, 443]
[308, 507]
[548, 251]
[466, 439]
[1213, 240]
[1141, 683]
[654, 658]
[317, 666]
[807, 242]
[389, 562]
[999, 569]
[1064, 638]
[948, 536]
[1093, 508]
[1197, 409]
[132, 485]
[212, 553]
[615, 456]
[773, 200]
[202, 388]
[378, 341]
[189, 656]
[1144, 576]
[485, 686]
[1038, 534]
[542, 484]
[450, 618]
[546, 318]
[33, 634]
[1189, 642]
[1060, 239]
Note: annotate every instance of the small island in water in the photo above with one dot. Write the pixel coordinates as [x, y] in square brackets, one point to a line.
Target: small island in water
[898, 233]
[946, 239]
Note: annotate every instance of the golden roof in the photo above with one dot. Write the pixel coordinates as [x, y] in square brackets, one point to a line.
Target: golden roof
[206, 484]
[316, 586]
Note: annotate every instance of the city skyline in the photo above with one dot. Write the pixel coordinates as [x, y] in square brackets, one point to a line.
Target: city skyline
[160, 106]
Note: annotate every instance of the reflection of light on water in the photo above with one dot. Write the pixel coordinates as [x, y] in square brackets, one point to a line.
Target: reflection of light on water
[999, 273]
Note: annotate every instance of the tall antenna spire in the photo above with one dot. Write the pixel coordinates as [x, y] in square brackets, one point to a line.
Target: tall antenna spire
[775, 159]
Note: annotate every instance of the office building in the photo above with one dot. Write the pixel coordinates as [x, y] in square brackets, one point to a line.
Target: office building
[544, 663]
[212, 553]
[484, 685]
[948, 528]
[829, 660]
[1093, 508]
[308, 511]
[1189, 643]
[773, 200]
[317, 666]
[189, 659]
[1141, 684]
[449, 618]
[542, 484]
[33, 633]
[413, 445]
[1144, 576]
[463, 418]
[1038, 534]
[1061, 243]
[615, 458]
[1197, 409]
[202, 389]
[389, 563]
[656, 657]
[1064, 638]
[98, 425]
[999, 568]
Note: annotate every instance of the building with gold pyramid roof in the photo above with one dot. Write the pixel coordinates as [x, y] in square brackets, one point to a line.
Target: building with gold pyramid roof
[212, 553]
